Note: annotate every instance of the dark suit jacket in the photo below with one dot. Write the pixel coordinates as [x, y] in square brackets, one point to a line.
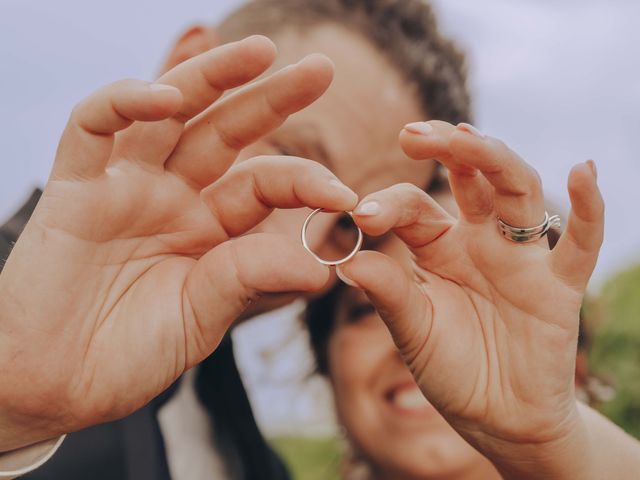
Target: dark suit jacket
[132, 448]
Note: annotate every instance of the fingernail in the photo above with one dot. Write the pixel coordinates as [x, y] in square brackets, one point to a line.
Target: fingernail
[345, 279]
[465, 127]
[159, 87]
[592, 166]
[368, 209]
[421, 128]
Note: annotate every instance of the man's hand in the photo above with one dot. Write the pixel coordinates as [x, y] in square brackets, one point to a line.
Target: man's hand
[134, 263]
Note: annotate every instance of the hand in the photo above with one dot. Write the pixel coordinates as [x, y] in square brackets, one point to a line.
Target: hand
[487, 326]
[133, 265]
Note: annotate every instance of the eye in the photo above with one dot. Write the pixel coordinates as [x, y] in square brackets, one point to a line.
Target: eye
[360, 311]
[344, 234]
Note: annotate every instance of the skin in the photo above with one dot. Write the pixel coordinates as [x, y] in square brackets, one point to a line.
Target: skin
[489, 327]
[399, 441]
[333, 131]
[336, 132]
[171, 267]
[161, 253]
[149, 218]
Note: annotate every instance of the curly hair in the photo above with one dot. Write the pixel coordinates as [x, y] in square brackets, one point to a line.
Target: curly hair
[404, 31]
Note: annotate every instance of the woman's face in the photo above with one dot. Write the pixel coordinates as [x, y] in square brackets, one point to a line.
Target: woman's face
[384, 413]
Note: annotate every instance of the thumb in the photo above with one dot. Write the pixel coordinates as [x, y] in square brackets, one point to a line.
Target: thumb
[229, 277]
[402, 305]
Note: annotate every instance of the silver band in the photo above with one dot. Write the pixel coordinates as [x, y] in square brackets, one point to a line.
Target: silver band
[530, 234]
[331, 263]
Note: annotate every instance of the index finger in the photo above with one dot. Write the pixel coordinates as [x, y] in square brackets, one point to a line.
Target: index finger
[249, 191]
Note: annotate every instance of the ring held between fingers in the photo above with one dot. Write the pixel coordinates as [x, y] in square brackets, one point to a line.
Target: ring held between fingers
[250, 190]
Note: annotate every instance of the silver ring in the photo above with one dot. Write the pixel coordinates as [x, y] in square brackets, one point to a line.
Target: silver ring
[529, 234]
[331, 263]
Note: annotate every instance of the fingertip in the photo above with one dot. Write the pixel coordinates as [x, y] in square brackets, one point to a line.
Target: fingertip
[594, 170]
[318, 61]
[585, 196]
[468, 128]
[462, 143]
[303, 83]
[319, 67]
[262, 44]
[415, 145]
[426, 140]
[379, 275]
[261, 51]
[345, 278]
[167, 98]
[581, 178]
[370, 216]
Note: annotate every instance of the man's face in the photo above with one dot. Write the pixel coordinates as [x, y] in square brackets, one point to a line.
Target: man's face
[352, 129]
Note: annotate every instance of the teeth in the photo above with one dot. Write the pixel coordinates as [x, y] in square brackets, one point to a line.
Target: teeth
[410, 399]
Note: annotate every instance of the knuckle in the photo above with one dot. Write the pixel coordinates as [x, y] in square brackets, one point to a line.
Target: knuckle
[501, 145]
[534, 181]
[78, 111]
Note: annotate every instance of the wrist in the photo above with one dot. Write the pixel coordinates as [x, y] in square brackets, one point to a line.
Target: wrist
[17, 431]
[555, 452]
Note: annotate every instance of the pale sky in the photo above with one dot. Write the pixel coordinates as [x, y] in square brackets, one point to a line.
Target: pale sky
[557, 80]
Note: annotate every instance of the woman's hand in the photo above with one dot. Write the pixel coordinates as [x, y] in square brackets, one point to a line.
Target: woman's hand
[487, 326]
[133, 265]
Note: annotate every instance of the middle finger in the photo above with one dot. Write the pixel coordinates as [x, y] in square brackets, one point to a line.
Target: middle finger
[202, 80]
[212, 141]
[518, 197]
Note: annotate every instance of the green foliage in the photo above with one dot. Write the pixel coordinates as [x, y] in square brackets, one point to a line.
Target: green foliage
[615, 352]
[310, 458]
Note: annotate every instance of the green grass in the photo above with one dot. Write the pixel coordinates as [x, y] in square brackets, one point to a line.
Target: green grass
[309, 458]
[615, 353]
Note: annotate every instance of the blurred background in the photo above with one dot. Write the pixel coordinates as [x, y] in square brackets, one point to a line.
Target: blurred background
[558, 81]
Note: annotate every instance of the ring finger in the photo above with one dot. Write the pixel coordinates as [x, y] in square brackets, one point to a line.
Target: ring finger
[518, 196]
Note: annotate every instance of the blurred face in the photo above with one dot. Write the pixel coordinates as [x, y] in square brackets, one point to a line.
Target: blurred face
[352, 129]
[386, 416]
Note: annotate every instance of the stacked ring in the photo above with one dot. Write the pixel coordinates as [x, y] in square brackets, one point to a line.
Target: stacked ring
[530, 234]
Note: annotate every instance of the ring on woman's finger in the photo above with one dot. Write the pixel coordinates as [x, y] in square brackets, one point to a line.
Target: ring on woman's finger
[528, 234]
[305, 243]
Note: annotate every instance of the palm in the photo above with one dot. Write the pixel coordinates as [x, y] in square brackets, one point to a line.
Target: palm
[135, 262]
[487, 326]
[490, 330]
[135, 251]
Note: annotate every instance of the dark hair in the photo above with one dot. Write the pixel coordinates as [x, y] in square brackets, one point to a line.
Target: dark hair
[404, 31]
[320, 317]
